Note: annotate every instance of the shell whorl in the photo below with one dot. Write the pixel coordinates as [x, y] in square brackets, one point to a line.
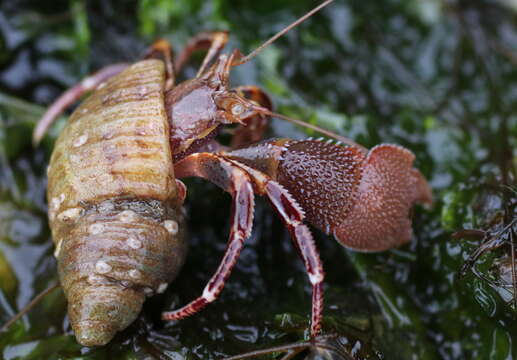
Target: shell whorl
[115, 144]
[113, 256]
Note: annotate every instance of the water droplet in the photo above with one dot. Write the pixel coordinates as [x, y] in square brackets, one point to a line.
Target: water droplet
[88, 83]
[171, 226]
[102, 267]
[161, 289]
[148, 291]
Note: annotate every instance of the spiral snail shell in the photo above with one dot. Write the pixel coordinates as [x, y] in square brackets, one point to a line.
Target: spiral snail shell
[116, 223]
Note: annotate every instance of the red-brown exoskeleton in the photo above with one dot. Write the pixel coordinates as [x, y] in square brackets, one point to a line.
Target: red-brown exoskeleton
[115, 192]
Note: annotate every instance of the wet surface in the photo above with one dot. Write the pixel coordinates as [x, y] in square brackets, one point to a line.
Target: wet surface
[437, 77]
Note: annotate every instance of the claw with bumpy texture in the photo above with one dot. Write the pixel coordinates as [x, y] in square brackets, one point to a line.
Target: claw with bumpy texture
[363, 199]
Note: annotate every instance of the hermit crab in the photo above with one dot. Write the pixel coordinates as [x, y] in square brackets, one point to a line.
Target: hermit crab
[115, 194]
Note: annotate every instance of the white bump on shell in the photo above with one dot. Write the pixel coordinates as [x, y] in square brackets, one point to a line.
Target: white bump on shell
[95, 229]
[134, 243]
[134, 273]
[81, 140]
[58, 249]
[102, 267]
[54, 203]
[70, 214]
[171, 226]
[127, 216]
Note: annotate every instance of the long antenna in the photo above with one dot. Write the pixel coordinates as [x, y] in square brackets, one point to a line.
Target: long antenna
[325, 132]
[72, 95]
[251, 55]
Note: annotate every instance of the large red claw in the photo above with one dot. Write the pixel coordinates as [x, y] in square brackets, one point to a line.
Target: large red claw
[362, 197]
[389, 187]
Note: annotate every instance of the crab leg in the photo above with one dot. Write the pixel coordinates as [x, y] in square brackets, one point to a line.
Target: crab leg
[292, 216]
[72, 95]
[235, 181]
[161, 49]
[213, 41]
[236, 178]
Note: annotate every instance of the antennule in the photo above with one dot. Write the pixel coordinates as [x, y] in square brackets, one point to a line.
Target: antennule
[325, 132]
[245, 59]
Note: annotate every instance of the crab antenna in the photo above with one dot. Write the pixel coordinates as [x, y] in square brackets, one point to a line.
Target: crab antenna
[325, 132]
[251, 55]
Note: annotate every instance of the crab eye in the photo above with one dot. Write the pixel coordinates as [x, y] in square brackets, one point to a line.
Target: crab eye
[237, 109]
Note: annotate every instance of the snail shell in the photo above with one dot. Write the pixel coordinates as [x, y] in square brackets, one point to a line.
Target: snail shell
[113, 213]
